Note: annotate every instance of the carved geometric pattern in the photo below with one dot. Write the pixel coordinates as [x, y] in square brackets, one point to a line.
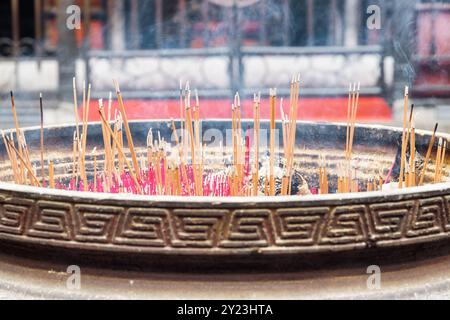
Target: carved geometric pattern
[153, 229]
[96, 224]
[426, 218]
[50, 220]
[388, 220]
[13, 213]
[247, 228]
[197, 228]
[299, 226]
[143, 227]
[446, 215]
[346, 224]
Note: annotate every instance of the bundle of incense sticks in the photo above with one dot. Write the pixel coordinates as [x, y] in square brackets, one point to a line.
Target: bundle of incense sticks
[347, 182]
[323, 176]
[180, 170]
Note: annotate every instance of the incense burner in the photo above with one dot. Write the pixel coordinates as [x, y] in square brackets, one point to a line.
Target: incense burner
[213, 231]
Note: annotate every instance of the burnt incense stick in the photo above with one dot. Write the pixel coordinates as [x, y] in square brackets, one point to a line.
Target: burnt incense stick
[19, 148]
[428, 155]
[438, 160]
[42, 140]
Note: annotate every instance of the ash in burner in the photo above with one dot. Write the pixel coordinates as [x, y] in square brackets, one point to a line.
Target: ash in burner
[298, 184]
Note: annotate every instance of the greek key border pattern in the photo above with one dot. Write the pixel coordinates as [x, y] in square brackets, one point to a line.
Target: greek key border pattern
[152, 229]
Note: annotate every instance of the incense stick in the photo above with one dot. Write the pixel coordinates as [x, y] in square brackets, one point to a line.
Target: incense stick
[75, 106]
[95, 168]
[404, 136]
[30, 170]
[352, 128]
[51, 174]
[293, 113]
[438, 160]
[256, 136]
[19, 148]
[442, 161]
[127, 128]
[12, 159]
[272, 103]
[42, 140]
[132, 173]
[412, 163]
[74, 156]
[428, 155]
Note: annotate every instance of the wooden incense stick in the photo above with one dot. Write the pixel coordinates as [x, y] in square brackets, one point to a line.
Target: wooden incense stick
[24, 162]
[354, 112]
[182, 116]
[293, 113]
[438, 161]
[412, 162]
[272, 104]
[120, 150]
[256, 136]
[19, 148]
[74, 155]
[198, 146]
[12, 159]
[442, 161]
[407, 140]
[190, 129]
[95, 168]
[51, 174]
[127, 128]
[75, 106]
[404, 136]
[42, 140]
[428, 155]
[349, 106]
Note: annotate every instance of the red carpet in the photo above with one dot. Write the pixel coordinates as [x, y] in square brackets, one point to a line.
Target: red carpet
[370, 109]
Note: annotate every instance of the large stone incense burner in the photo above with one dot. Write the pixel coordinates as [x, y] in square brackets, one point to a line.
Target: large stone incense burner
[233, 231]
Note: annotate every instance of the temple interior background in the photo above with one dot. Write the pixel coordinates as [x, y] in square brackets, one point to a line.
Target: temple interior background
[224, 46]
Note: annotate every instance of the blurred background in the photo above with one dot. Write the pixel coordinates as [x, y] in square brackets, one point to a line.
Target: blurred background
[223, 46]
